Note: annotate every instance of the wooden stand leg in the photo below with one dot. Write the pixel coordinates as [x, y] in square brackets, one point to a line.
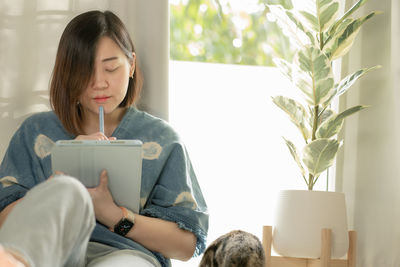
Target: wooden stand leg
[351, 254]
[267, 241]
[326, 243]
[324, 261]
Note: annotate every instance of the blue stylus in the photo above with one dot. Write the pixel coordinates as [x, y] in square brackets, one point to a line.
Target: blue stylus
[101, 119]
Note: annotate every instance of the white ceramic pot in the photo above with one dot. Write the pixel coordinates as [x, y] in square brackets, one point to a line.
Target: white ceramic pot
[300, 217]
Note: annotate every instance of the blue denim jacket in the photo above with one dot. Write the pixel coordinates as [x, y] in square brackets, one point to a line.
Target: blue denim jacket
[169, 188]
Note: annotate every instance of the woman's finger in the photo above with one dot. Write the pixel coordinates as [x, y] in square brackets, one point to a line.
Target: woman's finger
[94, 136]
[104, 179]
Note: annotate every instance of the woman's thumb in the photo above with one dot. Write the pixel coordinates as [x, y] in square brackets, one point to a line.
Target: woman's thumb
[104, 178]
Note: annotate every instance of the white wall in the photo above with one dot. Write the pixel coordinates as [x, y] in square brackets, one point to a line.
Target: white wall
[153, 50]
[29, 34]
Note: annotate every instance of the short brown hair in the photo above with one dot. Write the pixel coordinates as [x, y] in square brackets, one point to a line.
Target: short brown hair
[74, 64]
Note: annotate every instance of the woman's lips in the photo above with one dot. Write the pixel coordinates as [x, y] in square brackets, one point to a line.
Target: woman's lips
[101, 99]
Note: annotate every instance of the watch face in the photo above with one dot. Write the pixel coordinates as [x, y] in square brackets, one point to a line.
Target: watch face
[123, 227]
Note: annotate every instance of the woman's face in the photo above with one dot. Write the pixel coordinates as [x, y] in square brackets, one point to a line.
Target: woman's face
[109, 83]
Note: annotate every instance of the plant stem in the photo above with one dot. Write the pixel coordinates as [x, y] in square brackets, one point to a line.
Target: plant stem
[311, 181]
[314, 130]
[315, 122]
[321, 40]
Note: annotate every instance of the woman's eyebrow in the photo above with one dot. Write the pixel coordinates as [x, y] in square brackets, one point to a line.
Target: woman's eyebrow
[108, 59]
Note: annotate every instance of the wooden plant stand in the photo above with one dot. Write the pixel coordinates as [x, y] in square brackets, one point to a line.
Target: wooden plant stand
[324, 261]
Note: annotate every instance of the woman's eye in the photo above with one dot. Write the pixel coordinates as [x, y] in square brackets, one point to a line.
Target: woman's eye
[111, 69]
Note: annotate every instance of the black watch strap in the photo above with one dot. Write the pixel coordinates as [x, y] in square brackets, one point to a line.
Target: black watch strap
[123, 227]
[126, 223]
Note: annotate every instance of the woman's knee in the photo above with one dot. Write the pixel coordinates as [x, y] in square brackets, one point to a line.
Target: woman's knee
[69, 189]
[68, 184]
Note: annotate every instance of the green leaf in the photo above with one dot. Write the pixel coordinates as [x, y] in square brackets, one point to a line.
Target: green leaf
[334, 124]
[312, 74]
[319, 15]
[344, 37]
[345, 15]
[289, 23]
[285, 3]
[299, 25]
[295, 155]
[348, 81]
[311, 20]
[284, 66]
[320, 155]
[324, 115]
[296, 112]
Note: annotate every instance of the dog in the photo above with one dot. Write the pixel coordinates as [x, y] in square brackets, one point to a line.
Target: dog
[234, 249]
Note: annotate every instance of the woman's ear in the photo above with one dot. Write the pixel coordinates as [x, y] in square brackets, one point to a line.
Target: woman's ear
[133, 65]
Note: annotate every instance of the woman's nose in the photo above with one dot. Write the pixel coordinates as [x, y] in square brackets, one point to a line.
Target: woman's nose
[99, 81]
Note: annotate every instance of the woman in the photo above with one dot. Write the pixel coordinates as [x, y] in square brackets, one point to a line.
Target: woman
[96, 66]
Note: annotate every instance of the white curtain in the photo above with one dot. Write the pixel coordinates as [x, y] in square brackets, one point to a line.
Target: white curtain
[29, 34]
[368, 166]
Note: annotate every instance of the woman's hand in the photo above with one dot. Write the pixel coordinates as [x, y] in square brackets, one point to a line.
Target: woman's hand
[8, 259]
[95, 136]
[155, 234]
[105, 209]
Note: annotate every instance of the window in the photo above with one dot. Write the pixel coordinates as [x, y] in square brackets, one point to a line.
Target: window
[221, 105]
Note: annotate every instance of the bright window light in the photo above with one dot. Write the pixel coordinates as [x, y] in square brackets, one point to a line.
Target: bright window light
[233, 133]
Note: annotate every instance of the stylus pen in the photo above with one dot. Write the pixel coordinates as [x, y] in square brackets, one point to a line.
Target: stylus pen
[101, 119]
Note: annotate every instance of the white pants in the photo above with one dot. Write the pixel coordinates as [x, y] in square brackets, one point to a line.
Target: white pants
[129, 258]
[100, 255]
[52, 225]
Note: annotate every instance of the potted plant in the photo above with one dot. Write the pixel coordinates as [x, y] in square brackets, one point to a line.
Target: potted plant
[320, 37]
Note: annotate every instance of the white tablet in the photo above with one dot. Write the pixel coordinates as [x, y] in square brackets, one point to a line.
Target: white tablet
[86, 159]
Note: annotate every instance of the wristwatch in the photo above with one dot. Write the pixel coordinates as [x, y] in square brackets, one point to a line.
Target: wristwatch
[126, 223]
